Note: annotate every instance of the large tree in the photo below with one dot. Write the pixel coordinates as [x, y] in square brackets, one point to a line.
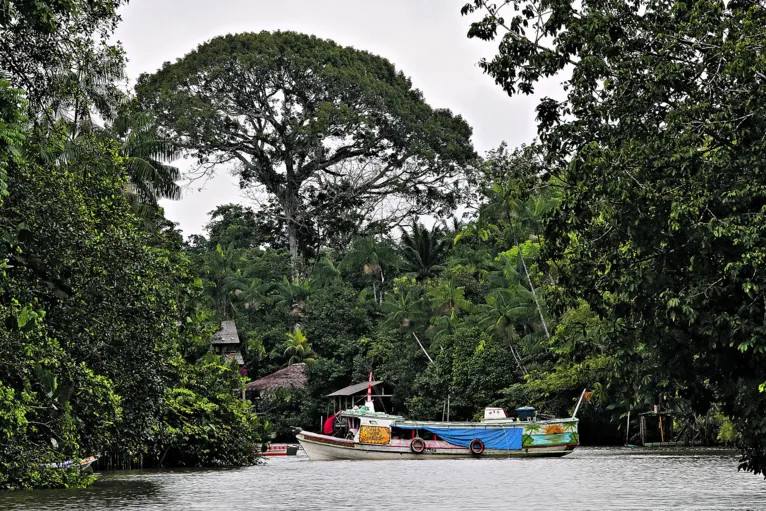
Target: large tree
[295, 112]
[660, 146]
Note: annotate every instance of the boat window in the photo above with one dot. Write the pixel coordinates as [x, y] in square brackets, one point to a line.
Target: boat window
[353, 422]
[398, 433]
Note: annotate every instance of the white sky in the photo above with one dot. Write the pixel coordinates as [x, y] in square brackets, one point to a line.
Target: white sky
[426, 39]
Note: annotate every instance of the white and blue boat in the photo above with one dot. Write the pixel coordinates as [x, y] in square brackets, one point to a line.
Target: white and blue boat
[363, 433]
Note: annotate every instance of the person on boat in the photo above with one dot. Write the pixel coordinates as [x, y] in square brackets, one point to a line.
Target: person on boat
[329, 425]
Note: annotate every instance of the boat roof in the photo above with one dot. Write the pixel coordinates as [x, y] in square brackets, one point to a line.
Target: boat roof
[482, 424]
[399, 420]
[363, 412]
[353, 389]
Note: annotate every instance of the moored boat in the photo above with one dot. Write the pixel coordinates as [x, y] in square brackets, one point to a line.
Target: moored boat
[274, 450]
[363, 433]
[82, 464]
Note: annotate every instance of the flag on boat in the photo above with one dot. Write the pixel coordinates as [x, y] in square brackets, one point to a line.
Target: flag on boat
[368, 404]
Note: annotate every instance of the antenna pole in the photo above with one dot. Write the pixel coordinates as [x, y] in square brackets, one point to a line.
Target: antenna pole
[579, 402]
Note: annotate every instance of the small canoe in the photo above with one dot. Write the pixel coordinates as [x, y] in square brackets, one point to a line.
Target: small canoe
[275, 450]
[82, 464]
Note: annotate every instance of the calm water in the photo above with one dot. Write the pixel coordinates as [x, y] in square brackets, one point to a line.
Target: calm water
[591, 478]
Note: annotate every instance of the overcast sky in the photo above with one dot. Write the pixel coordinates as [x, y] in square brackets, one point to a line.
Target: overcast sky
[426, 39]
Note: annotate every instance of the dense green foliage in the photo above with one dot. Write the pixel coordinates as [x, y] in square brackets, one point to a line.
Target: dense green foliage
[436, 312]
[620, 253]
[51, 48]
[102, 346]
[658, 148]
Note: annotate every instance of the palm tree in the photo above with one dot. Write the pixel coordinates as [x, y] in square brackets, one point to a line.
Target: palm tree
[423, 251]
[370, 256]
[513, 264]
[253, 292]
[405, 310]
[292, 294]
[147, 155]
[507, 313]
[325, 273]
[224, 278]
[297, 347]
[91, 88]
[88, 88]
[448, 304]
[449, 299]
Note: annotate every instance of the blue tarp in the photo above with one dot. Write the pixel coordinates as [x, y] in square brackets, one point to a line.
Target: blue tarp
[507, 439]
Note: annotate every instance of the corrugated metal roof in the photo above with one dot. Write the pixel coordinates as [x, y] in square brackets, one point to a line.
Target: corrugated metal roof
[353, 389]
[227, 334]
[236, 355]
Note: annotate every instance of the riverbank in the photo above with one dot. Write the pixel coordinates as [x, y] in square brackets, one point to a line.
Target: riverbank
[590, 478]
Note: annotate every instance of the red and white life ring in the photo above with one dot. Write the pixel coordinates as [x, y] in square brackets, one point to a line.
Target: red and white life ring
[476, 446]
[417, 445]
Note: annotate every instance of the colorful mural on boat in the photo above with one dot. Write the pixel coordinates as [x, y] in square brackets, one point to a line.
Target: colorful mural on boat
[538, 435]
[374, 435]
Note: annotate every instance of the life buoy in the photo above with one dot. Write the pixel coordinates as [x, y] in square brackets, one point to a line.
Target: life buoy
[417, 445]
[476, 446]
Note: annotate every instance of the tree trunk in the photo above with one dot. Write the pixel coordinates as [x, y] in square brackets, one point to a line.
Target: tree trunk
[290, 207]
[532, 289]
[422, 347]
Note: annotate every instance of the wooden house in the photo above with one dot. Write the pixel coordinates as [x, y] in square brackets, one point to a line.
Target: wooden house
[226, 342]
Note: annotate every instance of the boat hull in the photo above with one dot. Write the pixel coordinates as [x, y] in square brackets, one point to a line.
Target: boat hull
[323, 447]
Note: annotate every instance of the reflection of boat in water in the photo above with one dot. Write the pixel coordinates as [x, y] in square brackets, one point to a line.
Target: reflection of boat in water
[362, 433]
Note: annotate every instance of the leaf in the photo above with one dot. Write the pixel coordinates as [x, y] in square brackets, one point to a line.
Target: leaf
[23, 317]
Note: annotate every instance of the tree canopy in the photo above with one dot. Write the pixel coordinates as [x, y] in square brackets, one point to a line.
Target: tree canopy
[46, 43]
[295, 112]
[659, 148]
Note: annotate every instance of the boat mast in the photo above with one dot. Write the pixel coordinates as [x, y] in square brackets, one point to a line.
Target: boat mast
[370, 406]
[579, 402]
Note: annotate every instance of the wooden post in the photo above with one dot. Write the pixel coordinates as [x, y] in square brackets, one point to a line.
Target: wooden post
[662, 432]
[643, 430]
[627, 429]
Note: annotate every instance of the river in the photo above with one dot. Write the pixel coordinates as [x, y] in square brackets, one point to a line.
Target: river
[590, 478]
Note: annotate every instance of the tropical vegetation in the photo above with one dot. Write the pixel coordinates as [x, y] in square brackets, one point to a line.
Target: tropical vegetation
[620, 252]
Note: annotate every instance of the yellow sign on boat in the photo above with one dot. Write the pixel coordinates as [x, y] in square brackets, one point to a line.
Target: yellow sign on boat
[374, 435]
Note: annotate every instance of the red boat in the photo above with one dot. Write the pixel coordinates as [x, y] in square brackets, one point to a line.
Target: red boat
[281, 450]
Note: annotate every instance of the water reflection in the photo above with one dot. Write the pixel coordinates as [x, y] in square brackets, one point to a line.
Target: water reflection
[126, 491]
[588, 479]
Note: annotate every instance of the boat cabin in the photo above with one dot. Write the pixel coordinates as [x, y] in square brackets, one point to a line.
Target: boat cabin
[355, 395]
[491, 413]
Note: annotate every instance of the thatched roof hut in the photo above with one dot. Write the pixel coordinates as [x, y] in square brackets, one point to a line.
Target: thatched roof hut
[291, 377]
